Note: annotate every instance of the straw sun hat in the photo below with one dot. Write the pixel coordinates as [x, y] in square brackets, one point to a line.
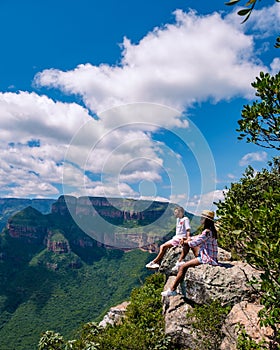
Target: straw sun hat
[208, 214]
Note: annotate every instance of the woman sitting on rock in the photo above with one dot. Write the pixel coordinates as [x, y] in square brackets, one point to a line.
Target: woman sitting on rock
[208, 250]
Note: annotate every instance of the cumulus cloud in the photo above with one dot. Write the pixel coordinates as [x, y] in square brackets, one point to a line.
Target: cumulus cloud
[109, 189]
[195, 59]
[275, 64]
[27, 115]
[35, 133]
[261, 25]
[253, 157]
[124, 153]
[205, 201]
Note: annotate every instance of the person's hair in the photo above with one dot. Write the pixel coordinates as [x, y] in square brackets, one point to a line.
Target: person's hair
[209, 224]
[180, 209]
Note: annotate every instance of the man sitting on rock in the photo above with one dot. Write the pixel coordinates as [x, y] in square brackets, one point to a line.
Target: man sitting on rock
[207, 254]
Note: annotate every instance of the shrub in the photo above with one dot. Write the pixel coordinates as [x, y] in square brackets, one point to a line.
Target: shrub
[250, 227]
[207, 324]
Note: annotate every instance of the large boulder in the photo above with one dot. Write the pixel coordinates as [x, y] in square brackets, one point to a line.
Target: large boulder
[228, 283]
[244, 314]
[177, 325]
[114, 315]
[172, 255]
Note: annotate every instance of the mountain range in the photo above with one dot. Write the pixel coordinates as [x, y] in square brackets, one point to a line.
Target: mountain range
[60, 268]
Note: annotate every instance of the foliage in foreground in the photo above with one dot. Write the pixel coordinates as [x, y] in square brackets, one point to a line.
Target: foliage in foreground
[250, 228]
[143, 327]
[245, 342]
[207, 324]
[247, 11]
[260, 122]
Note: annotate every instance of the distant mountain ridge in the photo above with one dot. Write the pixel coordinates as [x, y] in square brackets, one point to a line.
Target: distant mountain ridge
[53, 275]
[118, 222]
[10, 206]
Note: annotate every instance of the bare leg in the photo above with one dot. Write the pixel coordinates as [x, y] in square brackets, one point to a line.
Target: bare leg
[182, 271]
[162, 249]
[186, 249]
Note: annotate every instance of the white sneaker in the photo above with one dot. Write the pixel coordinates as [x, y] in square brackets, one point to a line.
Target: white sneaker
[177, 265]
[152, 265]
[169, 293]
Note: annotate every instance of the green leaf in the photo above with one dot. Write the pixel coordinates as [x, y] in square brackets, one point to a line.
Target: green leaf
[244, 22]
[243, 12]
[232, 2]
[250, 2]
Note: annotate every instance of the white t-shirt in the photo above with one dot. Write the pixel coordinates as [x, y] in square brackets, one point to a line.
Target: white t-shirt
[182, 225]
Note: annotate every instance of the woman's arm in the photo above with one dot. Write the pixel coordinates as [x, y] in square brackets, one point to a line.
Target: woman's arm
[198, 240]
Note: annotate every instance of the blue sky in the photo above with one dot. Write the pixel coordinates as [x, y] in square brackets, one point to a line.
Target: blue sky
[129, 99]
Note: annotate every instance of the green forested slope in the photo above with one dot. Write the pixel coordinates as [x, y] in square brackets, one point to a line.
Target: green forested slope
[55, 277]
[63, 300]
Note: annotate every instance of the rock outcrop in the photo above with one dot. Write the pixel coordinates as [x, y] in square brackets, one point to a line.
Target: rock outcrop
[118, 222]
[57, 243]
[29, 225]
[244, 314]
[11, 206]
[114, 315]
[227, 283]
[112, 222]
[118, 209]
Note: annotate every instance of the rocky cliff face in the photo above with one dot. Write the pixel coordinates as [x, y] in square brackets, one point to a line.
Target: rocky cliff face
[10, 206]
[127, 220]
[114, 315]
[112, 208]
[29, 225]
[57, 244]
[33, 232]
[226, 283]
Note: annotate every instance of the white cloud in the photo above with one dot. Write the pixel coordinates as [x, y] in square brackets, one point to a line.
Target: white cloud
[103, 189]
[253, 157]
[35, 133]
[154, 198]
[180, 199]
[27, 115]
[204, 201]
[196, 59]
[259, 21]
[123, 152]
[275, 66]
[137, 176]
